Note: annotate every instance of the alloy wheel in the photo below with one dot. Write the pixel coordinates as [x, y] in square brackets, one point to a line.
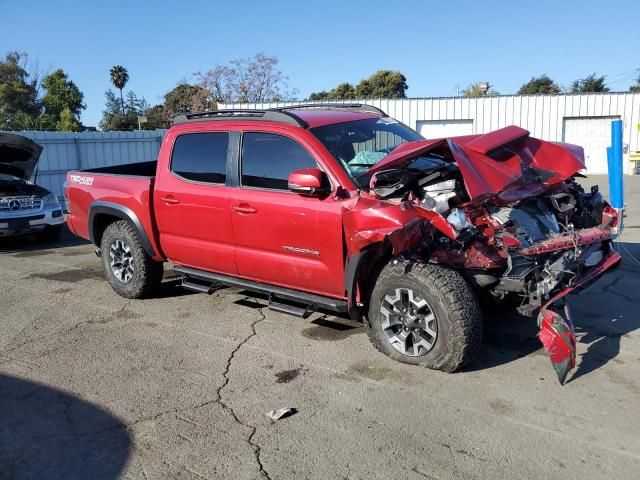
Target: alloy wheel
[408, 322]
[122, 264]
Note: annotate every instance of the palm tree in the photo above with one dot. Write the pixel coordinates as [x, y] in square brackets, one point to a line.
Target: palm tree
[119, 78]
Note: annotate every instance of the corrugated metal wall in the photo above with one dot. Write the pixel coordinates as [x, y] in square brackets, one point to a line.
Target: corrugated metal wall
[68, 151]
[542, 115]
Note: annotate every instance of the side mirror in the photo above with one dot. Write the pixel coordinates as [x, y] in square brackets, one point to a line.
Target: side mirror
[308, 181]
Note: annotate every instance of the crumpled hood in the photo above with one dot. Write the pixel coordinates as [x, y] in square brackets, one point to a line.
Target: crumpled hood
[18, 155]
[506, 163]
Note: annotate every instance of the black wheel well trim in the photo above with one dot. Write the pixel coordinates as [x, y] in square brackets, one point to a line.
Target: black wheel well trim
[378, 252]
[119, 211]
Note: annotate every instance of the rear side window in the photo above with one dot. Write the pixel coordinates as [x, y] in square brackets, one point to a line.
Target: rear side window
[201, 156]
[268, 159]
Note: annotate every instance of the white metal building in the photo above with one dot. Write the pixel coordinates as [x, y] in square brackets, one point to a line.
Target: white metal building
[582, 119]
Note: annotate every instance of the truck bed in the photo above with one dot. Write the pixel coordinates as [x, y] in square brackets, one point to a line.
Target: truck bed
[140, 169]
[125, 190]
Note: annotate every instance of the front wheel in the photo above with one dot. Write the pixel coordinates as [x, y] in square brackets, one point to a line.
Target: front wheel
[131, 272]
[424, 314]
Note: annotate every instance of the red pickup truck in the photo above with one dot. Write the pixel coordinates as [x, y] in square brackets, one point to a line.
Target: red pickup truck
[342, 208]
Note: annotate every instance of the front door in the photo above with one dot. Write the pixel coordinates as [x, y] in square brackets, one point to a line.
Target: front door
[284, 238]
[192, 203]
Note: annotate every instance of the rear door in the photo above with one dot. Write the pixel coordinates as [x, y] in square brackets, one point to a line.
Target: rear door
[284, 238]
[191, 201]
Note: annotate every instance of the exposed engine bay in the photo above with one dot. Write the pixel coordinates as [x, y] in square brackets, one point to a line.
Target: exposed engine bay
[521, 250]
[18, 159]
[24, 206]
[516, 224]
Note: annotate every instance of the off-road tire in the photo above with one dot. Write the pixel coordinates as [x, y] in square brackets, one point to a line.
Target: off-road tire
[452, 301]
[147, 274]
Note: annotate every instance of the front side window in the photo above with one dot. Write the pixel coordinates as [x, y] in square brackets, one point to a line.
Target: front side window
[268, 159]
[201, 157]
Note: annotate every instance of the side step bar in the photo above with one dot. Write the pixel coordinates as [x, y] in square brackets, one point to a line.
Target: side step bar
[291, 309]
[202, 281]
[197, 286]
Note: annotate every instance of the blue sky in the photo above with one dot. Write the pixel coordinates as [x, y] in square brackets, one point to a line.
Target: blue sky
[437, 45]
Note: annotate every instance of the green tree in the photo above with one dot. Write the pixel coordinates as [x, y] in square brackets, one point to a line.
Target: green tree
[344, 91]
[322, 95]
[635, 88]
[68, 122]
[62, 96]
[539, 85]
[24, 121]
[157, 117]
[18, 93]
[476, 90]
[591, 83]
[122, 116]
[119, 77]
[382, 84]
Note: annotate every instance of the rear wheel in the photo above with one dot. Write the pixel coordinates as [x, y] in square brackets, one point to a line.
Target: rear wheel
[131, 272]
[424, 314]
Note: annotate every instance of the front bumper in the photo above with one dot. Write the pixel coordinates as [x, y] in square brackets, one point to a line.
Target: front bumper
[22, 223]
[557, 332]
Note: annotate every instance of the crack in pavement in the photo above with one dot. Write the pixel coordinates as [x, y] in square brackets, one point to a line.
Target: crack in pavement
[515, 422]
[609, 288]
[256, 447]
[217, 400]
[110, 318]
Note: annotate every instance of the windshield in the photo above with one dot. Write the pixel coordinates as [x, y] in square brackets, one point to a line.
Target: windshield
[360, 144]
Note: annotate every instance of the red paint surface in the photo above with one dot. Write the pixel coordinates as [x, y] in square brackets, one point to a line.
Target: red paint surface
[494, 164]
[557, 333]
[569, 240]
[558, 338]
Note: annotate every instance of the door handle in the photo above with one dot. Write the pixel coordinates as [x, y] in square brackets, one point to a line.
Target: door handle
[244, 208]
[169, 200]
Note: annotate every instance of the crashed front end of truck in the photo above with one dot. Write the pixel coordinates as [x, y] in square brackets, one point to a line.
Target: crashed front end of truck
[505, 210]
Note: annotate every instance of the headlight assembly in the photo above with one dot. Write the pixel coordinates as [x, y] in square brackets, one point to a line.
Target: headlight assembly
[50, 200]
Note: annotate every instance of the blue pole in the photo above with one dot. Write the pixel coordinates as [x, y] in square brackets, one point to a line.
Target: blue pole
[614, 158]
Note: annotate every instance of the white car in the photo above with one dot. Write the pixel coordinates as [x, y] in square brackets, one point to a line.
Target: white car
[24, 206]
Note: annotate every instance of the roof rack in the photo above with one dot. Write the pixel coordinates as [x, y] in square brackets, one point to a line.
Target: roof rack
[346, 106]
[271, 115]
[279, 114]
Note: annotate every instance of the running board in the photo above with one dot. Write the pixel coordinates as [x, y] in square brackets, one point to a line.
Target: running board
[201, 281]
[291, 309]
[207, 288]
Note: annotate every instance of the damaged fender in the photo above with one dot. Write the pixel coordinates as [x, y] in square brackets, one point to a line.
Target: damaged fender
[558, 338]
[371, 227]
[557, 333]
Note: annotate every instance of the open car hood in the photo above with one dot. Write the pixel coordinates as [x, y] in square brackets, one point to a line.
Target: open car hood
[506, 163]
[18, 155]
